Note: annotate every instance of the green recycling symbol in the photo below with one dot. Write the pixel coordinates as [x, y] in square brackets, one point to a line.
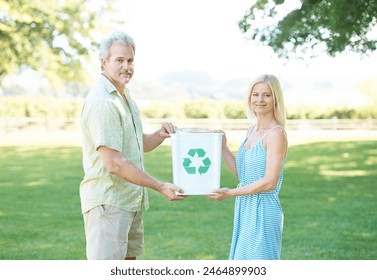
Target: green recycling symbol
[204, 165]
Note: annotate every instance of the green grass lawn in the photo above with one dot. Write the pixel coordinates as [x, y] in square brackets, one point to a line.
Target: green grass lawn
[329, 197]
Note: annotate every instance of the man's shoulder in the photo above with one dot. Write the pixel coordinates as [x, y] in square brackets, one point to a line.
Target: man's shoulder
[99, 92]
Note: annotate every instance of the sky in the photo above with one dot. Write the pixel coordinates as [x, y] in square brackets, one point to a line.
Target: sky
[203, 35]
[193, 35]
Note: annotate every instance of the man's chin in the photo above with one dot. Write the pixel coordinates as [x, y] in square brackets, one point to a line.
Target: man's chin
[127, 79]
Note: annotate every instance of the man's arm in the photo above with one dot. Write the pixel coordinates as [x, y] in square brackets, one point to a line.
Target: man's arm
[152, 141]
[118, 166]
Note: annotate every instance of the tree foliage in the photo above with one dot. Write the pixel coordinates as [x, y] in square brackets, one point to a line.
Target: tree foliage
[333, 26]
[53, 37]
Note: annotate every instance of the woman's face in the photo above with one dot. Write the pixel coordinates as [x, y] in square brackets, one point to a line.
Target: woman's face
[261, 99]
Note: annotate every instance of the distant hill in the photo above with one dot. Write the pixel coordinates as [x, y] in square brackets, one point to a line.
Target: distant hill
[298, 88]
[187, 84]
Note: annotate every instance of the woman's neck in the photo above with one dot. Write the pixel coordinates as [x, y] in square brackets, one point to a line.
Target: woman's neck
[265, 123]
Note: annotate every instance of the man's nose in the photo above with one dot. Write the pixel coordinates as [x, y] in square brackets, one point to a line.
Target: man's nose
[127, 66]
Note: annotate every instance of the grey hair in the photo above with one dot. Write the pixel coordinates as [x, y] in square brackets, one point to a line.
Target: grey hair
[115, 37]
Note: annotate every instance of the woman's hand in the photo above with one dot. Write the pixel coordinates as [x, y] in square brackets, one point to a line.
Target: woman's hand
[220, 194]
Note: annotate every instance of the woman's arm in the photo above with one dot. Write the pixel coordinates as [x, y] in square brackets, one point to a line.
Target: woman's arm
[276, 146]
[228, 156]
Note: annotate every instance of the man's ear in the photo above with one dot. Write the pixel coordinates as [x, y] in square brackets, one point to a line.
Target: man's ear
[103, 61]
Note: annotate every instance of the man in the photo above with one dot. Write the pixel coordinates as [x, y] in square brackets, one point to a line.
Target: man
[113, 190]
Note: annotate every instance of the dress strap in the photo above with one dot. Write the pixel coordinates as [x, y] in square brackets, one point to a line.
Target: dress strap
[250, 130]
[271, 130]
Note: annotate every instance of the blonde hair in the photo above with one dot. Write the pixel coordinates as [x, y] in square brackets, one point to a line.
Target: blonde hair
[277, 95]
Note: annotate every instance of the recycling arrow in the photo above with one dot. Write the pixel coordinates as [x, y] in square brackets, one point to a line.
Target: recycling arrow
[198, 153]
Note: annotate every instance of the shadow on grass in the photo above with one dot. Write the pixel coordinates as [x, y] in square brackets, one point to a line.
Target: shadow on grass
[329, 199]
[328, 196]
[40, 215]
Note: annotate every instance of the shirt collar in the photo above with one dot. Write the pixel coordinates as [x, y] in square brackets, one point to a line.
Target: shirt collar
[109, 86]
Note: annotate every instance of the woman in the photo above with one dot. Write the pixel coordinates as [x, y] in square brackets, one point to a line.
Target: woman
[258, 216]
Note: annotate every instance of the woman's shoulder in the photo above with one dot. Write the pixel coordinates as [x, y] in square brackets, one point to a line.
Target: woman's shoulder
[278, 129]
[277, 133]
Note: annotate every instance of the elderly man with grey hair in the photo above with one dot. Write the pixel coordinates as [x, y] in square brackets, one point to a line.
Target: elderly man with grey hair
[113, 190]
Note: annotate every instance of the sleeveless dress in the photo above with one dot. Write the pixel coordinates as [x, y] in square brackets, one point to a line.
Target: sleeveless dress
[258, 218]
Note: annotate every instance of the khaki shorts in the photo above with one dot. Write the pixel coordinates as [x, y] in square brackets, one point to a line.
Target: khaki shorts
[113, 234]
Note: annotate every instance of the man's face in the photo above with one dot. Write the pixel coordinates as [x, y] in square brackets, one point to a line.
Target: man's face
[118, 67]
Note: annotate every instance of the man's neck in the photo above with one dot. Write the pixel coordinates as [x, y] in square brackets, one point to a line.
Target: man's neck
[120, 87]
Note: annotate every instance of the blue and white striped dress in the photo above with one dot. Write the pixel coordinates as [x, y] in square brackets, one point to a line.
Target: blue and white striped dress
[258, 218]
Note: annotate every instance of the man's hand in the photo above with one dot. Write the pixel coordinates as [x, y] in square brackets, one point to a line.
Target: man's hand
[166, 129]
[168, 190]
[152, 141]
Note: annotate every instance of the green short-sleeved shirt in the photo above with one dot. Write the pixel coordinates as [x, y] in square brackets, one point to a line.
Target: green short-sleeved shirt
[107, 120]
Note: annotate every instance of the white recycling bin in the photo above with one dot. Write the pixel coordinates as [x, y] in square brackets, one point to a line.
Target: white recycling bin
[196, 159]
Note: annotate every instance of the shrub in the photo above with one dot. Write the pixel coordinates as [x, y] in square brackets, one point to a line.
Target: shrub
[234, 109]
[40, 107]
[202, 109]
[197, 108]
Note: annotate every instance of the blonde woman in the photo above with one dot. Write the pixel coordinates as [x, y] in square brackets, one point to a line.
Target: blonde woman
[258, 215]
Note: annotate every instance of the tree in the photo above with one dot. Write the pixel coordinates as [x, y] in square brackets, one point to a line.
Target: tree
[333, 26]
[53, 37]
